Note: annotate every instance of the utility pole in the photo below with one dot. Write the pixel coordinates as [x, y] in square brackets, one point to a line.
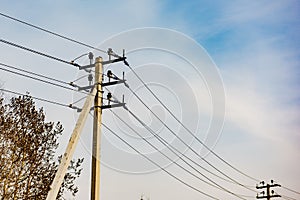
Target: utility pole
[96, 93]
[143, 197]
[270, 194]
[67, 156]
[98, 107]
[96, 145]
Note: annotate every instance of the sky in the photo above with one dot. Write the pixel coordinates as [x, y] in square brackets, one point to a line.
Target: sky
[229, 70]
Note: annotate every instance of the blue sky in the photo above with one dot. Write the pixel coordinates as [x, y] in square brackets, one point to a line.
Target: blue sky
[254, 44]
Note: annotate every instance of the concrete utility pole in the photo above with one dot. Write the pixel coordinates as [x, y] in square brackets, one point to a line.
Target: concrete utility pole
[270, 194]
[67, 156]
[97, 94]
[96, 152]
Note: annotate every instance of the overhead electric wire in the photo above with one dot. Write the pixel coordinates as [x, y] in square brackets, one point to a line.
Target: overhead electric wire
[164, 142]
[157, 165]
[34, 78]
[33, 73]
[39, 53]
[52, 33]
[214, 184]
[78, 100]
[183, 142]
[38, 79]
[188, 130]
[291, 190]
[86, 75]
[287, 197]
[182, 154]
[37, 98]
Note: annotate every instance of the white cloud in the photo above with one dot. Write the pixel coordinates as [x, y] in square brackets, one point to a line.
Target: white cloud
[259, 66]
[259, 87]
[259, 14]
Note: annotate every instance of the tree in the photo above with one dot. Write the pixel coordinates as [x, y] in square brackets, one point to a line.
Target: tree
[27, 152]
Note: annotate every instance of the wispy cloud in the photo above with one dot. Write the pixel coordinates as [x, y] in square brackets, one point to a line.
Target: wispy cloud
[261, 72]
[253, 44]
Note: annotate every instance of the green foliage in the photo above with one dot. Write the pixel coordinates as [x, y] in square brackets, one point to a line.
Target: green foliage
[27, 152]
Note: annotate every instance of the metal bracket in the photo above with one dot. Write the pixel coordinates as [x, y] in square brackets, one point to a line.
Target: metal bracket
[113, 83]
[265, 197]
[113, 61]
[113, 105]
[87, 66]
[103, 63]
[85, 87]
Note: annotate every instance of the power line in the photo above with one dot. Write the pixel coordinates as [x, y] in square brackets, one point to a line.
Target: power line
[37, 98]
[41, 99]
[196, 153]
[37, 79]
[33, 73]
[291, 190]
[188, 130]
[168, 146]
[39, 53]
[52, 33]
[165, 142]
[287, 198]
[216, 185]
[163, 169]
[34, 78]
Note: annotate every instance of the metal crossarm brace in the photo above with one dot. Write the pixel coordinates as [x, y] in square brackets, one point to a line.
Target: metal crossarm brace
[86, 66]
[113, 61]
[103, 63]
[113, 105]
[113, 83]
[264, 197]
[103, 84]
[85, 87]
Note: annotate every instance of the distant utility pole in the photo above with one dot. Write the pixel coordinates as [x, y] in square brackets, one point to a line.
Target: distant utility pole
[269, 194]
[142, 197]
